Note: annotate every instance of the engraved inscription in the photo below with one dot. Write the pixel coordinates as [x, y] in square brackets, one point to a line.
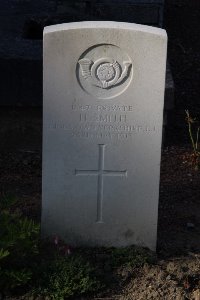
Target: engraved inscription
[106, 128]
[123, 108]
[100, 135]
[103, 121]
[102, 118]
[100, 173]
[103, 131]
[104, 71]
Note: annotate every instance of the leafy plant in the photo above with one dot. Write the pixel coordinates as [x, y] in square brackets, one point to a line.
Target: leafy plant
[3, 253]
[67, 276]
[18, 246]
[194, 138]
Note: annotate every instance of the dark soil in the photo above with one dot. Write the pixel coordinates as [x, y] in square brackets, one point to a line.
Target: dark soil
[176, 275]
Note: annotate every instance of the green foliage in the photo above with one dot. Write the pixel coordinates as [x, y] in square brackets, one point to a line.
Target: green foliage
[18, 246]
[10, 279]
[3, 253]
[18, 232]
[130, 256]
[25, 262]
[67, 276]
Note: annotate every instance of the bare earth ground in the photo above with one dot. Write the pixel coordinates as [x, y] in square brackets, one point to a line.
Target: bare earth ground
[176, 275]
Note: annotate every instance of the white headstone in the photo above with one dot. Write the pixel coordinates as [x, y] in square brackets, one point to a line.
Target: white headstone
[103, 111]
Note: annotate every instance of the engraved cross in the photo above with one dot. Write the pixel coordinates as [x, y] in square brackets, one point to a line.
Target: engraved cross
[100, 173]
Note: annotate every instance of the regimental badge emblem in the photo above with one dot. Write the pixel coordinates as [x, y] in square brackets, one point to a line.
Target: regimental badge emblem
[104, 77]
[105, 72]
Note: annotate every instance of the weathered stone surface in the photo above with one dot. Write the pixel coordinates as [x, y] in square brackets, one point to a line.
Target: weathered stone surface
[103, 109]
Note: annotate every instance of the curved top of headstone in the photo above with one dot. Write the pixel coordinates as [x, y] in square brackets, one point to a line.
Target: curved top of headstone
[105, 24]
